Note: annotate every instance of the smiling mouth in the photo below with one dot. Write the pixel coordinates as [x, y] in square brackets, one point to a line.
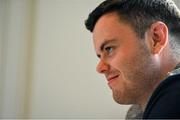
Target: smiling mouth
[112, 79]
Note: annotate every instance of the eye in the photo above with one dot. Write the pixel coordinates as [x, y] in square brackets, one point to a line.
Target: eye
[108, 49]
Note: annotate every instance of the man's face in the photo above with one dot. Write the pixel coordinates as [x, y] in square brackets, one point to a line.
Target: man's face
[125, 60]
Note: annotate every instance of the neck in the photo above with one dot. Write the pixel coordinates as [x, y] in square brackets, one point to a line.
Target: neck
[164, 70]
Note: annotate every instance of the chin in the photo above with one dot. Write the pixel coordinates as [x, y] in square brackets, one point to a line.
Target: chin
[120, 99]
[123, 102]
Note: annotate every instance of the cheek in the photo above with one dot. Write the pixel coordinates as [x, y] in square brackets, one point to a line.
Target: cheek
[129, 64]
[120, 60]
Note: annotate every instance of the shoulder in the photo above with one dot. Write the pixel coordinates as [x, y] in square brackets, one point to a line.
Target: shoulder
[165, 101]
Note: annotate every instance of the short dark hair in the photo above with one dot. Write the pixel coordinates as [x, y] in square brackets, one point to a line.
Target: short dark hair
[140, 14]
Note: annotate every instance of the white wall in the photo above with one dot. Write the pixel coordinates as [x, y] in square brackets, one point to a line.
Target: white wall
[2, 4]
[14, 38]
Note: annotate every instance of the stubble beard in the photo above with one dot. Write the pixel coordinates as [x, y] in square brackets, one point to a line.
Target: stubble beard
[143, 72]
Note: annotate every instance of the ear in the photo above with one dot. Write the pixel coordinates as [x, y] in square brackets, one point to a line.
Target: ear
[159, 37]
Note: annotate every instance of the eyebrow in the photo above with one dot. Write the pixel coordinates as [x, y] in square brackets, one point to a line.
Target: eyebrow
[104, 44]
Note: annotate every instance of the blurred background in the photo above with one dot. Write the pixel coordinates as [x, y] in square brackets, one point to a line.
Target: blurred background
[47, 62]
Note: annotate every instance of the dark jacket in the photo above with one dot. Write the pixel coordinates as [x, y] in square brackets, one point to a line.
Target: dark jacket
[165, 100]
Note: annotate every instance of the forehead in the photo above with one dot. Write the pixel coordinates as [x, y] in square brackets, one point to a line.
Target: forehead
[110, 27]
[105, 23]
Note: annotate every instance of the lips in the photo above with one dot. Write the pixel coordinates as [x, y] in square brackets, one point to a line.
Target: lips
[112, 78]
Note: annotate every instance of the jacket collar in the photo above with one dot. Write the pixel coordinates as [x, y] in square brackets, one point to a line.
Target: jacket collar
[175, 71]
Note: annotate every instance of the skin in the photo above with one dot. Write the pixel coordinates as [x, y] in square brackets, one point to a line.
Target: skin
[132, 66]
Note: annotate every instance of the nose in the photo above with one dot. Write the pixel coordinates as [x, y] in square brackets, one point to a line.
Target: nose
[102, 67]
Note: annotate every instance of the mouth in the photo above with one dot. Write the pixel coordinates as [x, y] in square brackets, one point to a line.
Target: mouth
[112, 79]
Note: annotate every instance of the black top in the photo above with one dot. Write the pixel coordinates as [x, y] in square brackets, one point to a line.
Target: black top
[165, 100]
